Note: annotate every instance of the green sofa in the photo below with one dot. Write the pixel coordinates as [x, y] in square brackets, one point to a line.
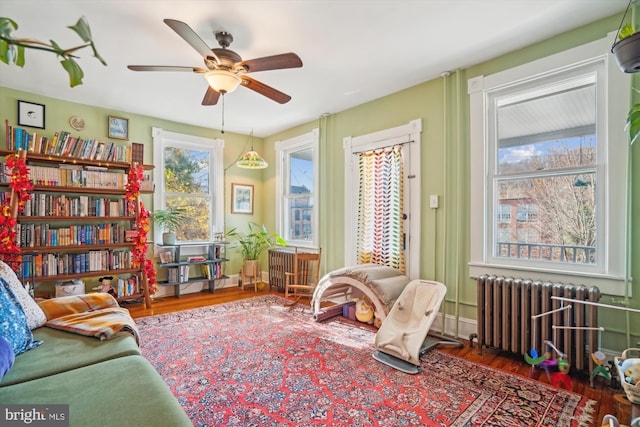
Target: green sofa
[105, 383]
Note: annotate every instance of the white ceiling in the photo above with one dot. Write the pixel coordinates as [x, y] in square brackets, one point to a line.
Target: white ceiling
[353, 51]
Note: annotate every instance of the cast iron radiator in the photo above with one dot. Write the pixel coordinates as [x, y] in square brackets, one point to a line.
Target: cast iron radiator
[506, 307]
[280, 261]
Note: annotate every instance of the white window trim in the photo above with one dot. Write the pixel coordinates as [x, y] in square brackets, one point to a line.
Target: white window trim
[161, 138]
[311, 140]
[611, 278]
[409, 133]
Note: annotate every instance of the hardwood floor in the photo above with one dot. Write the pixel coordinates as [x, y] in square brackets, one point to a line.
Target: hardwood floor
[601, 393]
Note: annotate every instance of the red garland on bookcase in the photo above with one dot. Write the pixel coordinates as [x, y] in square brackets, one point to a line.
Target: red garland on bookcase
[139, 251]
[21, 187]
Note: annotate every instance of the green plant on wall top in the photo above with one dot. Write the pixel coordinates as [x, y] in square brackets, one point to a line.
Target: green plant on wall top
[256, 241]
[12, 49]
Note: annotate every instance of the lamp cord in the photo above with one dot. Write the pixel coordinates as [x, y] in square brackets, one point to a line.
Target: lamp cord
[240, 156]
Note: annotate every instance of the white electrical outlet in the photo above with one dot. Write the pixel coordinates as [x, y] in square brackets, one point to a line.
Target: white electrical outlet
[433, 201]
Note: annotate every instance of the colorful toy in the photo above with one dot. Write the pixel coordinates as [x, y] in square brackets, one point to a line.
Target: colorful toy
[562, 378]
[534, 359]
[364, 310]
[631, 370]
[105, 285]
[599, 358]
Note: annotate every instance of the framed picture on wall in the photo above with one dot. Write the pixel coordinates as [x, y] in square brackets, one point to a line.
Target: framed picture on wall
[118, 128]
[241, 198]
[30, 114]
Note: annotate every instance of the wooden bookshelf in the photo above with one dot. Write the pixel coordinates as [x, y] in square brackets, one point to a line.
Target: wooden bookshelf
[99, 179]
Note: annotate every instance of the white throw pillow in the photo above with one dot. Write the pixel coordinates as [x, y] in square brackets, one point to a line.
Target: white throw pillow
[35, 315]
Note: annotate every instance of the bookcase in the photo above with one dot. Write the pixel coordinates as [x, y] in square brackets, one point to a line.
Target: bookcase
[78, 222]
[182, 270]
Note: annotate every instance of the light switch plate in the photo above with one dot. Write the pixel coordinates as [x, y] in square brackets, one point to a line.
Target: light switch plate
[433, 201]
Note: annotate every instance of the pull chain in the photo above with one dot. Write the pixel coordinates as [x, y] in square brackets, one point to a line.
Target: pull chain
[222, 129]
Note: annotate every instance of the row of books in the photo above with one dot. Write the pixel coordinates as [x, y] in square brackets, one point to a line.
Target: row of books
[212, 271]
[42, 204]
[42, 175]
[127, 287]
[178, 274]
[63, 144]
[5, 173]
[77, 176]
[37, 235]
[54, 264]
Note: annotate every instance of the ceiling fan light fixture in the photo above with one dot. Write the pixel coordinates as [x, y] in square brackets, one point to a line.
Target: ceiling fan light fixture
[222, 81]
[252, 160]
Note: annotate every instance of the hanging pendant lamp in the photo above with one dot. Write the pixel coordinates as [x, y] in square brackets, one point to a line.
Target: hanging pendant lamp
[251, 159]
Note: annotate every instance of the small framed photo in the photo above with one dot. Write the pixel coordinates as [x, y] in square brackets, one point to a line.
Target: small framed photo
[241, 198]
[166, 255]
[118, 128]
[30, 114]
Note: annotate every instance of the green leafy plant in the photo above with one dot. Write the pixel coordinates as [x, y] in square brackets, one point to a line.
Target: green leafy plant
[12, 49]
[625, 32]
[256, 241]
[169, 219]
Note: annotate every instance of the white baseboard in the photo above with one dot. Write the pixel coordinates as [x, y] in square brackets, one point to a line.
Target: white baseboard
[195, 287]
[465, 327]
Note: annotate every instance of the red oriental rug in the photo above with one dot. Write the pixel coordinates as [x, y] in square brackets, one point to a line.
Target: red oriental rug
[256, 362]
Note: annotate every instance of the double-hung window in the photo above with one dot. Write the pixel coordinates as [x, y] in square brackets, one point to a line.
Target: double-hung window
[549, 198]
[297, 189]
[189, 175]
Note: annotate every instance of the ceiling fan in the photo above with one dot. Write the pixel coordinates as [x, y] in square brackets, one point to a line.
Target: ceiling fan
[225, 70]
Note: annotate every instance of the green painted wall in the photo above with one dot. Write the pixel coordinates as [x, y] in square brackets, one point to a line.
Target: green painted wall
[442, 104]
[57, 115]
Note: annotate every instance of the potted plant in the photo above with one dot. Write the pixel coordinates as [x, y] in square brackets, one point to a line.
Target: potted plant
[256, 241]
[626, 48]
[253, 244]
[169, 220]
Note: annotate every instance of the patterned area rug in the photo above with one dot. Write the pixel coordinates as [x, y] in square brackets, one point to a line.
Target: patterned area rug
[256, 362]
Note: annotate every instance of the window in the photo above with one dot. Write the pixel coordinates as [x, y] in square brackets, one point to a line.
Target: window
[551, 134]
[297, 175]
[504, 213]
[189, 174]
[529, 213]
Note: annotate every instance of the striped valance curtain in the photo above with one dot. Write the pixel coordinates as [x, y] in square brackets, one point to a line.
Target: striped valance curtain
[380, 207]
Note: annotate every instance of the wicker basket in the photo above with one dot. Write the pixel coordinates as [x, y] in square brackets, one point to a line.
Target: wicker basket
[633, 391]
[75, 287]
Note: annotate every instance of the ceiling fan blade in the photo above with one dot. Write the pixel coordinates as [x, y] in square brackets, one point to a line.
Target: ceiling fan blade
[275, 62]
[192, 38]
[211, 96]
[265, 90]
[165, 68]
